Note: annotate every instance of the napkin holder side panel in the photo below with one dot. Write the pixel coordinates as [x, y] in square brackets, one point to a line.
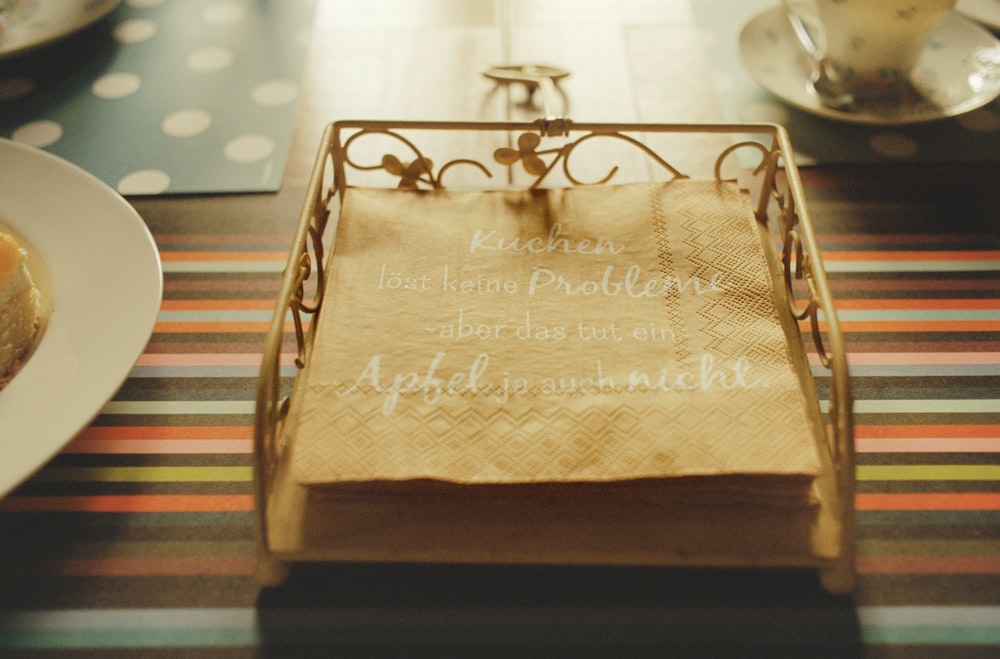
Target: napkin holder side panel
[292, 525]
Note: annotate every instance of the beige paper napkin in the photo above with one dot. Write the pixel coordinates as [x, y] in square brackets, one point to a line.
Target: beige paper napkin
[600, 334]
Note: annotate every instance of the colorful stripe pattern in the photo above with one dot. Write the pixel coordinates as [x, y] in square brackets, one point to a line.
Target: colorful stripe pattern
[139, 535]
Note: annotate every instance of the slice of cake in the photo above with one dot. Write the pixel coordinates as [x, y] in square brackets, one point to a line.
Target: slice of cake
[19, 305]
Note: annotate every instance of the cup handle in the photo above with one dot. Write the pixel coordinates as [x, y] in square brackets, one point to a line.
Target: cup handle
[804, 19]
[825, 80]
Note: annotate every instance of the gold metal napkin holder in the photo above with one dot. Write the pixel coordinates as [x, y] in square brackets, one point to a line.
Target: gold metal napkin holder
[294, 526]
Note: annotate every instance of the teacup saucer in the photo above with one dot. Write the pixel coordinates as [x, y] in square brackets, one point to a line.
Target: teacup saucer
[958, 72]
[986, 12]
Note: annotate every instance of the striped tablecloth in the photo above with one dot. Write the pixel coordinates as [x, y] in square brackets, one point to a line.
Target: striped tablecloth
[139, 537]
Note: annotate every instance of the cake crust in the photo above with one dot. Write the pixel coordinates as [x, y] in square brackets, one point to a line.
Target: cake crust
[19, 309]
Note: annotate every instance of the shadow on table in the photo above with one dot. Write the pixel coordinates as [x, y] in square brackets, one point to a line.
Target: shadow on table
[434, 610]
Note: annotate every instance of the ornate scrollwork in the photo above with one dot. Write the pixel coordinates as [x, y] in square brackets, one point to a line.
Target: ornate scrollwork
[413, 173]
[538, 160]
[304, 271]
[797, 265]
[766, 156]
[531, 157]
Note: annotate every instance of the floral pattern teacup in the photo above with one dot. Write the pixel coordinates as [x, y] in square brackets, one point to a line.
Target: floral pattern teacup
[869, 47]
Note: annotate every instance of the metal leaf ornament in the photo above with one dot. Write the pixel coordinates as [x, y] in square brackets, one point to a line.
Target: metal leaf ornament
[527, 143]
[409, 174]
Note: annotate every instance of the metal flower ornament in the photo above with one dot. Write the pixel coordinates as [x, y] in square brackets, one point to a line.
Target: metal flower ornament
[526, 152]
[410, 174]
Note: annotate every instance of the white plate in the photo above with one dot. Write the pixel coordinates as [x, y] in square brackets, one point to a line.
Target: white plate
[106, 284]
[958, 72]
[28, 24]
[986, 12]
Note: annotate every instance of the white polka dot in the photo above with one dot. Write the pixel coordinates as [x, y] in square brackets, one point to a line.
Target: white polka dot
[134, 30]
[223, 13]
[981, 121]
[11, 88]
[766, 112]
[186, 123]
[38, 133]
[894, 145]
[209, 59]
[275, 92]
[144, 181]
[116, 85]
[249, 148]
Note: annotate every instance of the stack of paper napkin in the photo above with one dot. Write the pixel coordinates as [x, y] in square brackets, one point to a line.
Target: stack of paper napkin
[608, 339]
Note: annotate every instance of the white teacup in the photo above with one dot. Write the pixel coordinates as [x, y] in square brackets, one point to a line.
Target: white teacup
[866, 49]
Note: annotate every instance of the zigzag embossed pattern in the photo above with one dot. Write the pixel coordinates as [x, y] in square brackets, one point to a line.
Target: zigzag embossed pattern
[715, 238]
[528, 442]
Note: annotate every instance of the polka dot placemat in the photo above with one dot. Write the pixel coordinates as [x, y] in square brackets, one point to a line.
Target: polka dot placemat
[167, 96]
[974, 136]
